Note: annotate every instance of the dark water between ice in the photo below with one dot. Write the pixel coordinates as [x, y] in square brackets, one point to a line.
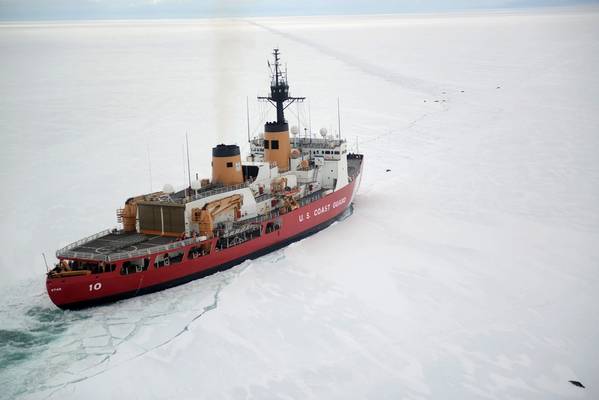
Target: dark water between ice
[45, 324]
[29, 324]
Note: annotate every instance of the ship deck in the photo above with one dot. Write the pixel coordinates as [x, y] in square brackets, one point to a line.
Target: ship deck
[111, 245]
[121, 242]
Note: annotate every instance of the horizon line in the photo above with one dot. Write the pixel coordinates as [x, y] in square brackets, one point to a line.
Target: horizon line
[457, 12]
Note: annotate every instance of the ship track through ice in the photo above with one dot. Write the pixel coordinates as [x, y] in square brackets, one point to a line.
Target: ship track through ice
[286, 190]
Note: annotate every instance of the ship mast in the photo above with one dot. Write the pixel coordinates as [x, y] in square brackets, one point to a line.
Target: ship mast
[279, 90]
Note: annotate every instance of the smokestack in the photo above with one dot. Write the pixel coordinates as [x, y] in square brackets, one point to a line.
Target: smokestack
[277, 148]
[226, 164]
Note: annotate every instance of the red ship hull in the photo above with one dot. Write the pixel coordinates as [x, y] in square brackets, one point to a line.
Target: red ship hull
[83, 291]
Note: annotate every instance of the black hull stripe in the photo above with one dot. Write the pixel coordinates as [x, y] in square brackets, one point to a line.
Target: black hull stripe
[188, 278]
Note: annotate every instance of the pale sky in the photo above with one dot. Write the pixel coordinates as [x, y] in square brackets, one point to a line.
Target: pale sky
[131, 9]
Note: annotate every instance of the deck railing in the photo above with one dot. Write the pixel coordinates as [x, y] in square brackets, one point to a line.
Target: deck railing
[82, 241]
[67, 251]
[260, 218]
[306, 142]
[319, 194]
[218, 190]
[154, 249]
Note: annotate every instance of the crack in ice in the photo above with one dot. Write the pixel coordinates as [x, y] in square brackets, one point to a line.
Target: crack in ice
[406, 82]
[212, 306]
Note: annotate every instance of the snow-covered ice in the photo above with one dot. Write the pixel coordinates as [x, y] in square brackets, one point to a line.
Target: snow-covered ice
[469, 270]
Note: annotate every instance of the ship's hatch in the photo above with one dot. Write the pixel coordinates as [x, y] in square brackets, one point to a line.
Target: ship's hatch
[162, 219]
[250, 172]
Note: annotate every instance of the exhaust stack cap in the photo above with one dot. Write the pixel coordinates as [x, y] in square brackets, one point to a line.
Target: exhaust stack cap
[225, 150]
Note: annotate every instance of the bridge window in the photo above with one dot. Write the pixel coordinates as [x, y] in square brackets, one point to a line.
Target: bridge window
[266, 144]
[101, 267]
[133, 266]
[272, 226]
[198, 251]
[92, 266]
[229, 165]
[237, 239]
[274, 144]
[168, 259]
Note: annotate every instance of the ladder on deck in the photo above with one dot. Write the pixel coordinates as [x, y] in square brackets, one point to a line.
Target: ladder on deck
[119, 215]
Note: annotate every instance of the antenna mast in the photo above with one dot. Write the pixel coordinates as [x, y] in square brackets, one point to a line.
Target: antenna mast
[298, 119]
[149, 165]
[188, 169]
[247, 112]
[338, 119]
[45, 262]
[309, 122]
[279, 90]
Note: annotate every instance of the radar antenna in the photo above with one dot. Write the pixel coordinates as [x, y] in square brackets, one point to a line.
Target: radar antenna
[279, 89]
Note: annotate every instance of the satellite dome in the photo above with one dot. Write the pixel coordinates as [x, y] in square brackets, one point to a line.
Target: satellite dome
[196, 185]
[168, 189]
[323, 132]
[294, 130]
